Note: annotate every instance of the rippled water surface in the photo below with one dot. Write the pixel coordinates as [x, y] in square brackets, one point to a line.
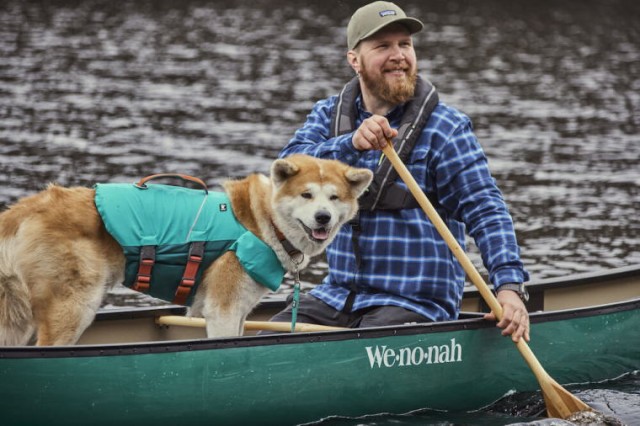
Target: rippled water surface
[111, 91]
[101, 91]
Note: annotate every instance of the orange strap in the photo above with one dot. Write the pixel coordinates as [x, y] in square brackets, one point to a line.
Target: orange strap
[196, 255]
[147, 259]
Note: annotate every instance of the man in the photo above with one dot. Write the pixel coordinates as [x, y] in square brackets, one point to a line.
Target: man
[391, 266]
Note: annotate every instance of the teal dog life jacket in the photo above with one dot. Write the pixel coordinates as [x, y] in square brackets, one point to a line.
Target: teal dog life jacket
[171, 234]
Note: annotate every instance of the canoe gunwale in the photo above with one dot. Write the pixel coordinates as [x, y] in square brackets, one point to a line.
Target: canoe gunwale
[474, 321]
[587, 311]
[604, 276]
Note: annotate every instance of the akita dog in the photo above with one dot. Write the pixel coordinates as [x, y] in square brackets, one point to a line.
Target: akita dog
[58, 256]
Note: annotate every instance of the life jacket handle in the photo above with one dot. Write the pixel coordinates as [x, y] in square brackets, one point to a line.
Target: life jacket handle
[142, 183]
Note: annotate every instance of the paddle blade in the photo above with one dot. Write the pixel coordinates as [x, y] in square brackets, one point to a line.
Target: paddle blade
[560, 402]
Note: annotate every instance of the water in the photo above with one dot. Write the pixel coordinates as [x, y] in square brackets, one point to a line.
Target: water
[102, 91]
[616, 400]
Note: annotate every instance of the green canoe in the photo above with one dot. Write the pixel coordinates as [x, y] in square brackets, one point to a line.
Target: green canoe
[127, 369]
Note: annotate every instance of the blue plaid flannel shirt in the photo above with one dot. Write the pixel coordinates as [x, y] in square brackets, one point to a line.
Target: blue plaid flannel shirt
[405, 262]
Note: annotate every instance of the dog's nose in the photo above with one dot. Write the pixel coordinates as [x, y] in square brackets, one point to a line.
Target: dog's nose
[323, 218]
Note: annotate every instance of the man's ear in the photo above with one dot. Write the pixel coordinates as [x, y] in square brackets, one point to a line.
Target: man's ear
[359, 179]
[352, 58]
[281, 170]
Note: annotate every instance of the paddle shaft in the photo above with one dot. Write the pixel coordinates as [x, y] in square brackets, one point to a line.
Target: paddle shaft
[560, 403]
[248, 325]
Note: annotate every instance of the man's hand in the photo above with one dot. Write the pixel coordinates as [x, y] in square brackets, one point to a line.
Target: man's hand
[515, 318]
[373, 133]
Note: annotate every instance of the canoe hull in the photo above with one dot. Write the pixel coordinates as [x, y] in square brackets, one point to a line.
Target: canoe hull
[291, 379]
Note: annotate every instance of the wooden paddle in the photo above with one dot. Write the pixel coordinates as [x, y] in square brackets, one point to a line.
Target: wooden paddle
[248, 325]
[560, 402]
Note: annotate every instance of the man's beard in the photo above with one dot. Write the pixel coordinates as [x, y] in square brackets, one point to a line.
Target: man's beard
[396, 92]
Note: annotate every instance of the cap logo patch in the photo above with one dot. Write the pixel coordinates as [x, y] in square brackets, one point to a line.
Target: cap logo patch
[387, 13]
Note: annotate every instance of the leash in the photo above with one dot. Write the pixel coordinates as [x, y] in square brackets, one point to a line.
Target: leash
[297, 257]
[296, 291]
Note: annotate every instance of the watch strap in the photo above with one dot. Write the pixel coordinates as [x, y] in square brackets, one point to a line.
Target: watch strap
[518, 288]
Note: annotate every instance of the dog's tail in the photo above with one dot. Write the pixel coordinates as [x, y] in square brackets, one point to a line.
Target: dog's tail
[16, 316]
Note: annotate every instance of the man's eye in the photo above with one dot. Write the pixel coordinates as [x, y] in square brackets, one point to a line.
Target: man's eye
[306, 195]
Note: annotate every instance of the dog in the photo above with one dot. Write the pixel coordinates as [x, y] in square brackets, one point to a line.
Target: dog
[57, 258]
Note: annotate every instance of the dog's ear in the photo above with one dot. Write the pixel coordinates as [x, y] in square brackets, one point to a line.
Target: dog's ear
[359, 179]
[281, 170]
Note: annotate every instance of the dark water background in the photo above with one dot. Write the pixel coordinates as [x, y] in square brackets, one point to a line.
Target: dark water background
[111, 91]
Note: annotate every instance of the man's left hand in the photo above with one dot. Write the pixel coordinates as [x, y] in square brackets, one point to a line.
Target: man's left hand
[515, 317]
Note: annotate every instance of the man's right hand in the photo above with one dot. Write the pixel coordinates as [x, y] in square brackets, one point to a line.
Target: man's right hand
[373, 133]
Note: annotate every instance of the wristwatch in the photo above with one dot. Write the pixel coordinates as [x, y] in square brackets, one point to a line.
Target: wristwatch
[518, 288]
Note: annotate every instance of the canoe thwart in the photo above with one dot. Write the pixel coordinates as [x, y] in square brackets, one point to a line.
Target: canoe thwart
[182, 321]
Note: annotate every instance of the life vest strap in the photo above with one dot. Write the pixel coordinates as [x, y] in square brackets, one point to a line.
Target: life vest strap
[384, 193]
[194, 260]
[147, 260]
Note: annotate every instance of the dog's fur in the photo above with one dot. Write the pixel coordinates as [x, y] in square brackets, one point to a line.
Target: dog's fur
[57, 261]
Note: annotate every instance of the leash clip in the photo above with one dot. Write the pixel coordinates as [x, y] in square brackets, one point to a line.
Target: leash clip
[296, 291]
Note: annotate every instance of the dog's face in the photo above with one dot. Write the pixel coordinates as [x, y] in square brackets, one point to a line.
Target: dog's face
[313, 198]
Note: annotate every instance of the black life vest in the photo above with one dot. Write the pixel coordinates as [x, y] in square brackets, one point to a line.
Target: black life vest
[385, 193]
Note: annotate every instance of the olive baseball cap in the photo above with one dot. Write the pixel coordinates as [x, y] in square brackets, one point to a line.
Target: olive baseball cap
[371, 18]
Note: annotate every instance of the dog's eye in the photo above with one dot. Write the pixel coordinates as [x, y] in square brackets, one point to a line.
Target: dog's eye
[334, 198]
[306, 195]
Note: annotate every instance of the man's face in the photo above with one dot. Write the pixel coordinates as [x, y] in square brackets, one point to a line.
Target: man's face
[387, 63]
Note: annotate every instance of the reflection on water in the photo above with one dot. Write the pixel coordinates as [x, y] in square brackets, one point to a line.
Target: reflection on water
[97, 91]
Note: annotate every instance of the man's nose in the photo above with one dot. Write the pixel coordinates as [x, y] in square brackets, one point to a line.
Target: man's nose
[397, 53]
